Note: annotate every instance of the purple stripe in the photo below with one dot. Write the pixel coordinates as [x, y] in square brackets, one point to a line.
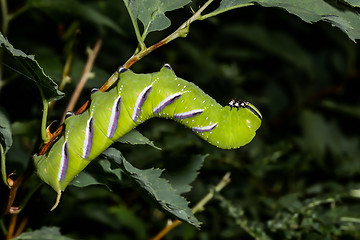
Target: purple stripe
[188, 114]
[89, 134]
[204, 129]
[140, 101]
[167, 101]
[115, 113]
[64, 162]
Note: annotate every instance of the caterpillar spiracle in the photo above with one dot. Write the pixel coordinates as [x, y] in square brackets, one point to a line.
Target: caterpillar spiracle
[135, 99]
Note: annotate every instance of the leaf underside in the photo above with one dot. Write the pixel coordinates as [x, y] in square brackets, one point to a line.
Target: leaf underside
[33, 70]
[342, 16]
[154, 188]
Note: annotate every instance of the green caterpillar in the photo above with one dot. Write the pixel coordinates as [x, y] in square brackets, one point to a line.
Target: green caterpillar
[135, 99]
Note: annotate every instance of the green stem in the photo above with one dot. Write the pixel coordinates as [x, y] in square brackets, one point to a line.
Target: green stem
[18, 12]
[200, 206]
[317, 202]
[214, 13]
[146, 29]
[136, 26]
[3, 166]
[44, 136]
[2, 227]
[5, 17]
[350, 219]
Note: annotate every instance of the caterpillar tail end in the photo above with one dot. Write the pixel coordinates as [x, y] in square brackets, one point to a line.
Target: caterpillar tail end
[58, 197]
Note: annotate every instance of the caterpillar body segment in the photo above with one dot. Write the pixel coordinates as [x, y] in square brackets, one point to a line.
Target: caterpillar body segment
[135, 99]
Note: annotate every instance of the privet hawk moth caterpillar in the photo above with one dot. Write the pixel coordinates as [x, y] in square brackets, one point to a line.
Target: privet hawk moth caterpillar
[135, 99]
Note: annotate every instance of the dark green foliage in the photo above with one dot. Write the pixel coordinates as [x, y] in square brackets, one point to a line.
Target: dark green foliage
[298, 179]
[32, 69]
[157, 190]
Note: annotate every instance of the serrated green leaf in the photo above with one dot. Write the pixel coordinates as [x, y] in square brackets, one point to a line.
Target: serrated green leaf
[152, 12]
[185, 173]
[5, 131]
[75, 8]
[45, 233]
[135, 137]
[154, 188]
[354, 3]
[343, 17]
[33, 70]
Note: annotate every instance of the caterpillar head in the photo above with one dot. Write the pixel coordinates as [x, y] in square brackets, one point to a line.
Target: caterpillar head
[234, 103]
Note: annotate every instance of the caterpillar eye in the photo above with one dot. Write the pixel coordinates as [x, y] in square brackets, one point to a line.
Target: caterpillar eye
[94, 90]
[69, 114]
[168, 66]
[121, 69]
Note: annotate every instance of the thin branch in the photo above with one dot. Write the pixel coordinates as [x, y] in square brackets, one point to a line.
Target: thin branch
[12, 225]
[214, 13]
[44, 135]
[3, 166]
[135, 25]
[222, 184]
[65, 79]
[84, 77]
[5, 17]
[2, 226]
[21, 227]
[200, 206]
[12, 194]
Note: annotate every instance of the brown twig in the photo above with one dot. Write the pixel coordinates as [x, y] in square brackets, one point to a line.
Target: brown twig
[169, 227]
[200, 206]
[12, 226]
[84, 77]
[12, 194]
[21, 227]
